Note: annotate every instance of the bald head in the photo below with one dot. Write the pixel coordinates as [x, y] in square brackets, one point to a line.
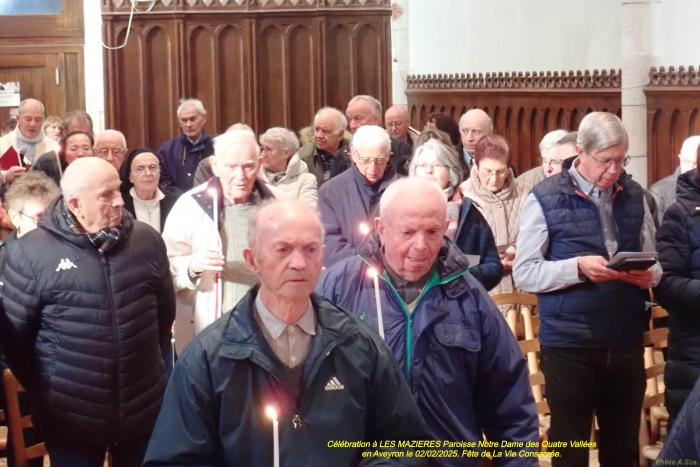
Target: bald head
[285, 250]
[276, 215]
[689, 153]
[408, 192]
[474, 124]
[396, 122]
[81, 175]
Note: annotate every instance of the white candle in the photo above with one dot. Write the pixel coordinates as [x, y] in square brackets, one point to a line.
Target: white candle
[380, 319]
[272, 415]
[363, 228]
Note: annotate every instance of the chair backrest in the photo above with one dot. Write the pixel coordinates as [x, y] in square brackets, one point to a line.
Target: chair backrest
[531, 350]
[521, 317]
[17, 423]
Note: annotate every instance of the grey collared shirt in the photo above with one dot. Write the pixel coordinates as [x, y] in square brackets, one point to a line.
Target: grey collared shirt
[533, 273]
[290, 343]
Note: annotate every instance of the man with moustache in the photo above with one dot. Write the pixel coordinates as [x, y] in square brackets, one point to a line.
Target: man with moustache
[88, 306]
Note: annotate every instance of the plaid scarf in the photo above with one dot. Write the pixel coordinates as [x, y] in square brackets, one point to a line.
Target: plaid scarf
[105, 239]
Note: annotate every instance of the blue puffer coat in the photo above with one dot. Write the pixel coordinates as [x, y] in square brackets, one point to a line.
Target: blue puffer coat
[678, 244]
[682, 447]
[460, 358]
[88, 331]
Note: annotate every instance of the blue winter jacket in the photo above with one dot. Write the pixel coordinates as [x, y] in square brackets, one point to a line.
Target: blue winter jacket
[678, 244]
[682, 447]
[179, 159]
[474, 237]
[461, 360]
[213, 413]
[345, 202]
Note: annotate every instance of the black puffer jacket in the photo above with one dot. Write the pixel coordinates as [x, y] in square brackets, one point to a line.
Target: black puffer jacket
[678, 244]
[87, 330]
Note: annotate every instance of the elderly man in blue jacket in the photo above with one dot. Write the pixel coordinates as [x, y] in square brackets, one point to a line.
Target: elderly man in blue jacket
[347, 201]
[336, 389]
[459, 357]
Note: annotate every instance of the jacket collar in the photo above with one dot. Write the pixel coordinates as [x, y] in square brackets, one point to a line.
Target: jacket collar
[242, 338]
[202, 197]
[688, 191]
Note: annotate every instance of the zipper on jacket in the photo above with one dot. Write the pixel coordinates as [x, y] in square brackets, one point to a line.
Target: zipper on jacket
[115, 332]
[297, 420]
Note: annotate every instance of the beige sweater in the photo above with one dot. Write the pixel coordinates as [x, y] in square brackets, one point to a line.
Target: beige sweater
[502, 212]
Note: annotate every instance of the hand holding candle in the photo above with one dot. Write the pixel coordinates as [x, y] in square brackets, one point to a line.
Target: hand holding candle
[372, 272]
[272, 415]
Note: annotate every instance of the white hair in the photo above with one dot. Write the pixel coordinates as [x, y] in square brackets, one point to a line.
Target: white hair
[341, 122]
[405, 190]
[372, 101]
[601, 130]
[224, 141]
[444, 155]
[191, 102]
[282, 138]
[551, 140]
[370, 136]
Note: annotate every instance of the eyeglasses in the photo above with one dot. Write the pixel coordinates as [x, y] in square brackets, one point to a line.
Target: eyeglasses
[433, 166]
[372, 160]
[552, 162]
[490, 173]
[35, 218]
[104, 152]
[394, 124]
[141, 169]
[607, 163]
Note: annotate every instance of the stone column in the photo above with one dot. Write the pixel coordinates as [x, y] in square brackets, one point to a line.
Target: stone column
[399, 50]
[636, 61]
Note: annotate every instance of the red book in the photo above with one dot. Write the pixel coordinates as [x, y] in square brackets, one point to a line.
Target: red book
[10, 159]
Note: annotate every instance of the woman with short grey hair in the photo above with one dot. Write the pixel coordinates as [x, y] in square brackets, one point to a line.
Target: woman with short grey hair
[467, 227]
[282, 167]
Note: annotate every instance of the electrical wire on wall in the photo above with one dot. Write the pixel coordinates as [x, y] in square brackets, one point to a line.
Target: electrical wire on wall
[128, 26]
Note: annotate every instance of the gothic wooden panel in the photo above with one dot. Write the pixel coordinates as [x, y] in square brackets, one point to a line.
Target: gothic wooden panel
[368, 71]
[673, 100]
[339, 67]
[523, 106]
[301, 77]
[262, 63]
[273, 78]
[234, 74]
[161, 99]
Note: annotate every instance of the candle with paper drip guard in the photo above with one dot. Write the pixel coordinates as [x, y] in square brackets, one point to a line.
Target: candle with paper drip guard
[215, 214]
[374, 274]
[272, 415]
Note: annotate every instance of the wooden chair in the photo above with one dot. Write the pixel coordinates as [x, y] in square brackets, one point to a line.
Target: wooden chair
[17, 423]
[520, 316]
[654, 416]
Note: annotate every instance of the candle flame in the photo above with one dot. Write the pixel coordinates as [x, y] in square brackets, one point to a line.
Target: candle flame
[364, 228]
[271, 412]
[372, 272]
[212, 192]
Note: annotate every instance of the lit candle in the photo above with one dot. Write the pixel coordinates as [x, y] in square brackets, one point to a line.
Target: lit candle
[272, 415]
[363, 228]
[372, 272]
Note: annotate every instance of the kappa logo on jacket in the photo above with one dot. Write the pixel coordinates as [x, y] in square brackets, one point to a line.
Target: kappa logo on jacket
[334, 384]
[65, 265]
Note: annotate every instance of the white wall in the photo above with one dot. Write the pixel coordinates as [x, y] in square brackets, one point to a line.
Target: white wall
[468, 36]
[676, 33]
